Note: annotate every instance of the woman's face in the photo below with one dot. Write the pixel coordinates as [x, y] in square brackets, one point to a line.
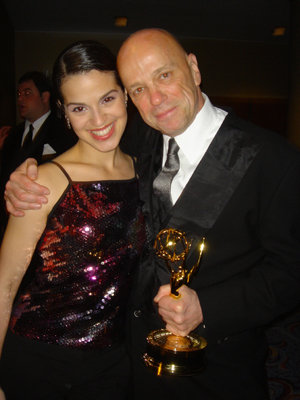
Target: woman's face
[95, 106]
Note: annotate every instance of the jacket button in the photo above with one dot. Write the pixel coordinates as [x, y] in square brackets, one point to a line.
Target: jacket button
[137, 313]
[219, 341]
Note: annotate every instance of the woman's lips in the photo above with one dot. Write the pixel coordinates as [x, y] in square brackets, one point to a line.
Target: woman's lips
[103, 133]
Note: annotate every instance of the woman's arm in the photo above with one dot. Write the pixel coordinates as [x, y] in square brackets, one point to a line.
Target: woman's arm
[2, 395]
[18, 245]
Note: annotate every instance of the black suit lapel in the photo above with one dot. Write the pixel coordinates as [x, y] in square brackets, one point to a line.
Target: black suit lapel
[148, 166]
[210, 188]
[11, 150]
[215, 179]
[14, 139]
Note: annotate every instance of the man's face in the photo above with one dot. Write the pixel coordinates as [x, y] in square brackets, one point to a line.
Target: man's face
[31, 103]
[162, 81]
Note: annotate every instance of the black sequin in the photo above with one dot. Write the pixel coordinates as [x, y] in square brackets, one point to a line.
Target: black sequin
[79, 279]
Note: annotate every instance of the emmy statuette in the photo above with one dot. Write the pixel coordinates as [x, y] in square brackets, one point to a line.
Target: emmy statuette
[168, 354]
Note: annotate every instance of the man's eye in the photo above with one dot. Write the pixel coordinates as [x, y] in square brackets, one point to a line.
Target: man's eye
[138, 90]
[165, 75]
[25, 93]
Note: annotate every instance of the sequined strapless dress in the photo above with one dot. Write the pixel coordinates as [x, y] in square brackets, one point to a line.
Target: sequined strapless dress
[76, 288]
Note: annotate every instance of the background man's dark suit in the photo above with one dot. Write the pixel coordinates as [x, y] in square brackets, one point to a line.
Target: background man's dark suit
[52, 132]
[244, 197]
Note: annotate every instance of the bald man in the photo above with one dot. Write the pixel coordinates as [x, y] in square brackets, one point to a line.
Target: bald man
[237, 185]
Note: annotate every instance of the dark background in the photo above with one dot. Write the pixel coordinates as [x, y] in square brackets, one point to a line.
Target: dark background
[243, 64]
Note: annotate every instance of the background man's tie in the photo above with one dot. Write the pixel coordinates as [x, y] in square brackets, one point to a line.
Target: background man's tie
[162, 183]
[28, 138]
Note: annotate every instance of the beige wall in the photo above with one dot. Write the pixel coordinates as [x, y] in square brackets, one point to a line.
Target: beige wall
[38, 50]
[250, 77]
[239, 69]
[243, 69]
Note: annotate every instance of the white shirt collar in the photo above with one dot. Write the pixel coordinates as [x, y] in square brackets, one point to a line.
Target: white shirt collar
[36, 124]
[194, 141]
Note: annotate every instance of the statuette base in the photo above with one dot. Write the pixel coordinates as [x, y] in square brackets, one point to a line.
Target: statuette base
[169, 354]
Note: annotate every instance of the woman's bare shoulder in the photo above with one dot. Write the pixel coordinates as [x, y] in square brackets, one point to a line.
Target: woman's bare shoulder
[51, 176]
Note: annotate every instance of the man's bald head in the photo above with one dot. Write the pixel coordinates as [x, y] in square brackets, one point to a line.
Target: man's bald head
[153, 36]
[162, 80]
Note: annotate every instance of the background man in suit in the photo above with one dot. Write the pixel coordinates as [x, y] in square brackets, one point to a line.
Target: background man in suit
[238, 186]
[42, 135]
[47, 134]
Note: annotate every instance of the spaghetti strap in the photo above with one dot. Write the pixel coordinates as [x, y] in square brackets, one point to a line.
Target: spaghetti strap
[134, 166]
[62, 169]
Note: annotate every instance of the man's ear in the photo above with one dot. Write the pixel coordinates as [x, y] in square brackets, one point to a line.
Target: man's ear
[45, 97]
[193, 64]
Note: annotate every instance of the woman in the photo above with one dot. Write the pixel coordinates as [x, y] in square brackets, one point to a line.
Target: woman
[69, 265]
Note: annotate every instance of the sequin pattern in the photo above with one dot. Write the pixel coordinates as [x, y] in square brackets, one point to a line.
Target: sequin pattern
[76, 288]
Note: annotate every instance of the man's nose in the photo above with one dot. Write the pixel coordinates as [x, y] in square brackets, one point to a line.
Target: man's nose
[156, 96]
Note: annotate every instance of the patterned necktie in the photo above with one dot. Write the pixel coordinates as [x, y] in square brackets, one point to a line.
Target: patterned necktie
[28, 138]
[162, 183]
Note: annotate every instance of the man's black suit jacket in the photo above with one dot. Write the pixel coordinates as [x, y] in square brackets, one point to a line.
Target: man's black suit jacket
[52, 132]
[244, 197]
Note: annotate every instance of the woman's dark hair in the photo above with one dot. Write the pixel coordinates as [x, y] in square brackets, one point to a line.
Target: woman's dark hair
[80, 57]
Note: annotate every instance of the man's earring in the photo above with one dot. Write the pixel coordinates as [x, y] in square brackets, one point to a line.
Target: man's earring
[68, 123]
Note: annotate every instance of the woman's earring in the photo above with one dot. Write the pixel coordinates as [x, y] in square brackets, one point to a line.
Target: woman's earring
[126, 97]
[68, 123]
